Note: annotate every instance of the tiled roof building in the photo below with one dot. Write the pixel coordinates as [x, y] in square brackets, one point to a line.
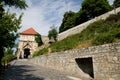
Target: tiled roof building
[27, 44]
[29, 31]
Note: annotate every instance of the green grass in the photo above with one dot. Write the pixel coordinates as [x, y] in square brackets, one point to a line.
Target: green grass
[97, 33]
[7, 58]
[40, 52]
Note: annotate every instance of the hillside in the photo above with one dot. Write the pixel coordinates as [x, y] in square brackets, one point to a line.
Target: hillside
[97, 33]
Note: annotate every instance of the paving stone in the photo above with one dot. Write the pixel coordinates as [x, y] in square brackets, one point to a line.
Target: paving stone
[23, 70]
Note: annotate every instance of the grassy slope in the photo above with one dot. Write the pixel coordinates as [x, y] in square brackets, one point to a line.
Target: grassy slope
[97, 33]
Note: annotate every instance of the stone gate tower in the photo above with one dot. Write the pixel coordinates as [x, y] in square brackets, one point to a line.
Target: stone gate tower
[27, 44]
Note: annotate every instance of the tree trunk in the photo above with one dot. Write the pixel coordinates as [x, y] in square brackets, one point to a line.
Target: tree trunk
[1, 55]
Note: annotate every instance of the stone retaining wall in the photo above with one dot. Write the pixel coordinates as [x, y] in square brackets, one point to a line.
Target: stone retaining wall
[100, 62]
[84, 25]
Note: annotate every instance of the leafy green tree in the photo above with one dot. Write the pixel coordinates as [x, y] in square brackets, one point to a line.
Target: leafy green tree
[94, 8]
[53, 33]
[9, 24]
[89, 10]
[8, 56]
[38, 39]
[16, 3]
[68, 21]
[116, 3]
[1, 10]
[80, 17]
[8, 51]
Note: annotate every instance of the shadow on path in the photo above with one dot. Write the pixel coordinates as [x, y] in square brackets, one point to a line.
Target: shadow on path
[24, 70]
[20, 72]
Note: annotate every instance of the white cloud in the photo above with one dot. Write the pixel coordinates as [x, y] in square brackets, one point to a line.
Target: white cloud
[42, 14]
[110, 2]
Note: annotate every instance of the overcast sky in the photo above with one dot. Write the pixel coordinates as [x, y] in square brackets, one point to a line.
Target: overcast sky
[42, 14]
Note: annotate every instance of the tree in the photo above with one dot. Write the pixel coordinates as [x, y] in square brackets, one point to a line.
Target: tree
[116, 3]
[89, 10]
[9, 24]
[53, 33]
[38, 39]
[68, 21]
[1, 10]
[81, 17]
[16, 3]
[8, 56]
[94, 8]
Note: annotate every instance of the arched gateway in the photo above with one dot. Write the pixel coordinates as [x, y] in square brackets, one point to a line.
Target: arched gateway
[27, 44]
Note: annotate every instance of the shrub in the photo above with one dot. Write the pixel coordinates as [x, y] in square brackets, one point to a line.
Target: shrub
[113, 18]
[7, 58]
[116, 33]
[40, 52]
[36, 53]
[103, 39]
[68, 43]
[97, 33]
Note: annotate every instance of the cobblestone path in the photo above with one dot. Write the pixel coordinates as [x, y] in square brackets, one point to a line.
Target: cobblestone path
[23, 70]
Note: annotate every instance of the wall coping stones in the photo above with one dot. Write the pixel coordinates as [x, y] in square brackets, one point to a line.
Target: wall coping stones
[81, 27]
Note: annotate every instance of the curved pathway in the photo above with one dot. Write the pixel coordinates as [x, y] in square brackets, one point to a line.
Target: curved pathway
[23, 70]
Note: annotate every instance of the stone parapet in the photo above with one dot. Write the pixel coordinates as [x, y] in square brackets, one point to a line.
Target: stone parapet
[81, 27]
[97, 62]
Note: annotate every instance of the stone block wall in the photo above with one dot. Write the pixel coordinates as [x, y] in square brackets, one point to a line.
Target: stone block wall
[84, 25]
[97, 62]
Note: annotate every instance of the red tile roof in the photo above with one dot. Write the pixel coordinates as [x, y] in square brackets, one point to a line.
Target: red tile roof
[29, 31]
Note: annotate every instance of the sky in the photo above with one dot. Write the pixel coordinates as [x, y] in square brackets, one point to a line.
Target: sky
[42, 14]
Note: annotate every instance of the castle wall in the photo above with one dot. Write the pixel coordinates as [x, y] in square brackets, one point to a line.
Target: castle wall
[100, 62]
[84, 25]
[45, 39]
